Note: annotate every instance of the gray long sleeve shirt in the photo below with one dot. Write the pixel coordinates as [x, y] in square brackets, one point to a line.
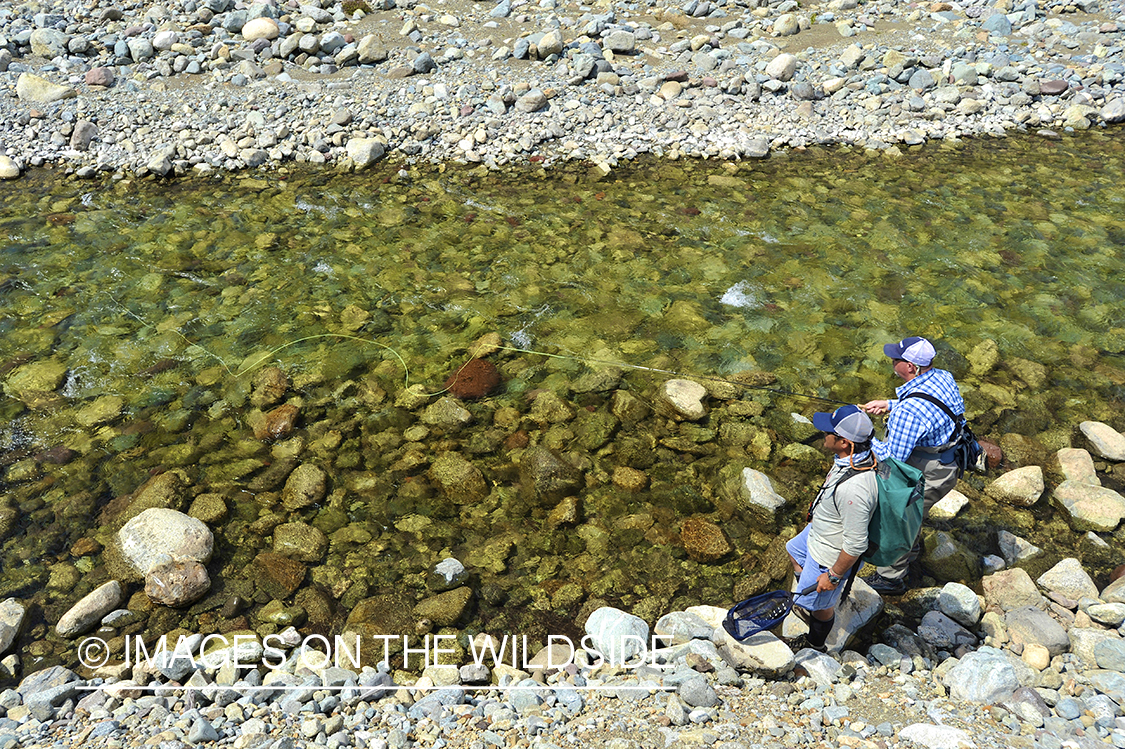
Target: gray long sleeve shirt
[842, 514]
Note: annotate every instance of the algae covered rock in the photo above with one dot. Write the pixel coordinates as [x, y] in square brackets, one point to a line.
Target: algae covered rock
[458, 479]
[703, 540]
[948, 559]
[446, 608]
[546, 477]
[300, 541]
[177, 583]
[306, 485]
[1088, 507]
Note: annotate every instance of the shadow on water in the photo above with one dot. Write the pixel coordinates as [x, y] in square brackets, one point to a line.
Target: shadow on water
[128, 308]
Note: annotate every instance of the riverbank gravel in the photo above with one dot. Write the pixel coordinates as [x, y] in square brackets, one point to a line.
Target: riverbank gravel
[149, 88]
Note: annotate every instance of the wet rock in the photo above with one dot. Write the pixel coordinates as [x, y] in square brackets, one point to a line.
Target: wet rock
[549, 408]
[948, 506]
[1089, 507]
[166, 491]
[268, 387]
[445, 609]
[1011, 589]
[1022, 487]
[458, 479]
[753, 493]
[547, 477]
[306, 485]
[618, 635]
[31, 87]
[1104, 440]
[447, 413]
[475, 379]
[1069, 579]
[11, 621]
[629, 479]
[683, 399]
[177, 583]
[158, 536]
[277, 424]
[703, 540]
[300, 541]
[1015, 549]
[566, 512]
[947, 558]
[1077, 465]
[278, 576]
[88, 612]
[35, 379]
[984, 676]
[627, 407]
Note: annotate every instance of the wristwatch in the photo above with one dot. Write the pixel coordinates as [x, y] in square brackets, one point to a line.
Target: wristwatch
[834, 579]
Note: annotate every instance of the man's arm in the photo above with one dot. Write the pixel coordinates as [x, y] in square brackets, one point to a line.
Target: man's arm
[839, 568]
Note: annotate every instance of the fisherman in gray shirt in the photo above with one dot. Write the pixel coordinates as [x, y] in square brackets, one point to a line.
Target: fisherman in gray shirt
[836, 533]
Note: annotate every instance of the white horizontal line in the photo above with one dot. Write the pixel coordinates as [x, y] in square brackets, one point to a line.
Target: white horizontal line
[396, 688]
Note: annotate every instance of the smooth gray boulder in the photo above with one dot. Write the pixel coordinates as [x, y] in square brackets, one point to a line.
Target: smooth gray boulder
[617, 635]
[983, 676]
[1030, 625]
[960, 604]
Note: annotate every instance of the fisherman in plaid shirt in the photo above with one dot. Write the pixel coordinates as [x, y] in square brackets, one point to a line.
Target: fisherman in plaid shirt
[918, 433]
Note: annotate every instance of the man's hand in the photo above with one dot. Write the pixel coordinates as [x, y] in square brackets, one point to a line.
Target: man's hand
[876, 407]
[823, 584]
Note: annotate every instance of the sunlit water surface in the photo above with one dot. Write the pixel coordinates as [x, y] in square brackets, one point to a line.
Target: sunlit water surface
[801, 265]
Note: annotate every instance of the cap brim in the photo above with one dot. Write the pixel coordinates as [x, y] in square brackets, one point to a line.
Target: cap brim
[823, 422]
[892, 350]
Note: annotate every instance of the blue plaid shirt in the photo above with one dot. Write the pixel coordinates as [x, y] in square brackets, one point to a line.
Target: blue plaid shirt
[917, 422]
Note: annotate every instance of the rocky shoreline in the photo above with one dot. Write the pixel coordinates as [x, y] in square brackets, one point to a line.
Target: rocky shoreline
[1037, 663]
[220, 85]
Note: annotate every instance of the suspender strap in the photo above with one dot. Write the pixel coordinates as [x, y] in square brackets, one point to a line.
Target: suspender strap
[937, 402]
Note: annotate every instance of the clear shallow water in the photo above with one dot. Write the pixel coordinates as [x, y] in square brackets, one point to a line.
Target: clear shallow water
[802, 266]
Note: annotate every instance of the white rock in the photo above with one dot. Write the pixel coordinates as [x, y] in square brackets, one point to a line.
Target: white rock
[1104, 439]
[11, 620]
[782, 67]
[1069, 579]
[36, 88]
[949, 505]
[684, 398]
[365, 151]
[1089, 507]
[159, 535]
[937, 737]
[260, 28]
[1077, 465]
[8, 168]
[617, 635]
[1022, 487]
[89, 611]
